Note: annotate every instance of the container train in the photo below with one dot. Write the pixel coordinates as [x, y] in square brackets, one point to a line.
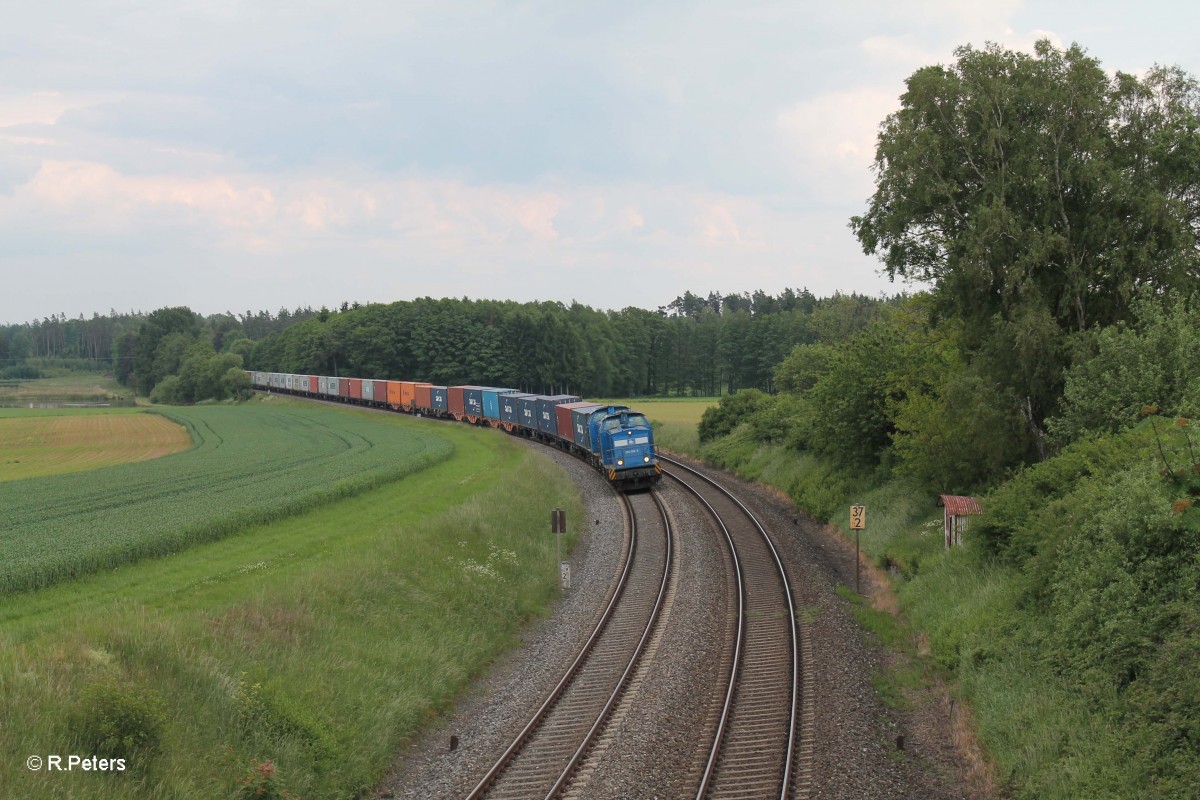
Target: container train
[616, 440]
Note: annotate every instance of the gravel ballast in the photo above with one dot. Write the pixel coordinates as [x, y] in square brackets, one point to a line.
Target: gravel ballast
[652, 747]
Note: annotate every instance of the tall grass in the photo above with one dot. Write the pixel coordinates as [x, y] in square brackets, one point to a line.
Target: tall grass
[321, 642]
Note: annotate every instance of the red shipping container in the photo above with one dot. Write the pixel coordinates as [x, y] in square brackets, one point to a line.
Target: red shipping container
[313, 385]
[355, 388]
[566, 427]
[380, 388]
[343, 387]
[454, 399]
[422, 399]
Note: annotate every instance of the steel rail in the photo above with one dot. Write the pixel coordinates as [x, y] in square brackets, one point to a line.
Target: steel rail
[794, 711]
[619, 689]
[536, 723]
[481, 788]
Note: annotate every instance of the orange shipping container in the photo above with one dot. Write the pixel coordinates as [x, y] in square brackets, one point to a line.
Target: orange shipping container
[393, 393]
[407, 393]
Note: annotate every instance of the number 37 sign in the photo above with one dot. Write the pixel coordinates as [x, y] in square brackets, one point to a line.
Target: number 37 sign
[858, 518]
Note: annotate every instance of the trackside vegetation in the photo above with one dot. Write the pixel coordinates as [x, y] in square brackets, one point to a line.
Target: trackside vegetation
[250, 464]
[1051, 371]
[297, 657]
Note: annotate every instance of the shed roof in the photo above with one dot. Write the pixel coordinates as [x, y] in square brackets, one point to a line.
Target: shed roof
[959, 506]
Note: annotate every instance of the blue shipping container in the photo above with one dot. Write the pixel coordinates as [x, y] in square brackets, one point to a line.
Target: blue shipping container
[437, 398]
[527, 411]
[579, 427]
[491, 401]
[473, 400]
[510, 411]
[547, 420]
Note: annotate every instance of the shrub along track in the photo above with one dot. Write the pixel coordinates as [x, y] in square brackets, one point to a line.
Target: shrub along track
[542, 759]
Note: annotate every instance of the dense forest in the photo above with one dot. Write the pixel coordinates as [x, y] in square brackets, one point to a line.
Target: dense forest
[692, 346]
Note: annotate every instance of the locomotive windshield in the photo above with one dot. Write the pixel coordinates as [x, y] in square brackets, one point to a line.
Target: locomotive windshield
[631, 421]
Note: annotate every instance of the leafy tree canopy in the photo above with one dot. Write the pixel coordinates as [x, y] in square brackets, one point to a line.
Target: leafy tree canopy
[1009, 180]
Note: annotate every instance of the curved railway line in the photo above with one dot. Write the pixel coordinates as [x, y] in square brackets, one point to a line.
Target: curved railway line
[762, 738]
[542, 759]
[762, 745]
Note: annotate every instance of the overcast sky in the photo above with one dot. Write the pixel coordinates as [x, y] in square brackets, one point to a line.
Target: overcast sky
[233, 155]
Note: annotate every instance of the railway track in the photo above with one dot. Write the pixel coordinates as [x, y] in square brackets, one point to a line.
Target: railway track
[761, 732]
[542, 759]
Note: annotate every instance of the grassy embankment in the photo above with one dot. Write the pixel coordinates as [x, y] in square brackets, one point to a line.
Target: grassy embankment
[320, 641]
[1073, 636]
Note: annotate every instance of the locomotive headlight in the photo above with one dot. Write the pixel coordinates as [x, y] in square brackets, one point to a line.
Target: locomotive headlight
[620, 462]
[646, 459]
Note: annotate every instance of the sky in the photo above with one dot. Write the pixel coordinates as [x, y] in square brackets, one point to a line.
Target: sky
[234, 155]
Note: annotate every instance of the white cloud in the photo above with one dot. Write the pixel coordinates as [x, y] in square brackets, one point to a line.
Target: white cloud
[831, 139]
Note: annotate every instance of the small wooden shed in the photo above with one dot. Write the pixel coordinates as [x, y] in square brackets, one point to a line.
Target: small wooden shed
[958, 509]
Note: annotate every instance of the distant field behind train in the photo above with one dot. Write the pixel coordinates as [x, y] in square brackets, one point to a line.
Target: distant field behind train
[249, 464]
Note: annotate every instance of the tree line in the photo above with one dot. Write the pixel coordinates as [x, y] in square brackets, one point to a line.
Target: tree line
[96, 343]
[692, 346]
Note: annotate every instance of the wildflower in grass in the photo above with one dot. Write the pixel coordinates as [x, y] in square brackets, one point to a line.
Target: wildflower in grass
[480, 570]
[500, 555]
[1182, 422]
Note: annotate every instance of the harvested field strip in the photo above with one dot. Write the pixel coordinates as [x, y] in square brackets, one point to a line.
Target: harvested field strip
[48, 445]
[251, 464]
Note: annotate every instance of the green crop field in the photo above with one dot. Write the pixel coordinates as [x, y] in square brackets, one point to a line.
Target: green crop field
[249, 464]
[36, 444]
[674, 419]
[73, 387]
[320, 642]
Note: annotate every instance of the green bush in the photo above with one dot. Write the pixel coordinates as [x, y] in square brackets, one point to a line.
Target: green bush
[120, 720]
[167, 391]
[1152, 362]
[733, 410]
